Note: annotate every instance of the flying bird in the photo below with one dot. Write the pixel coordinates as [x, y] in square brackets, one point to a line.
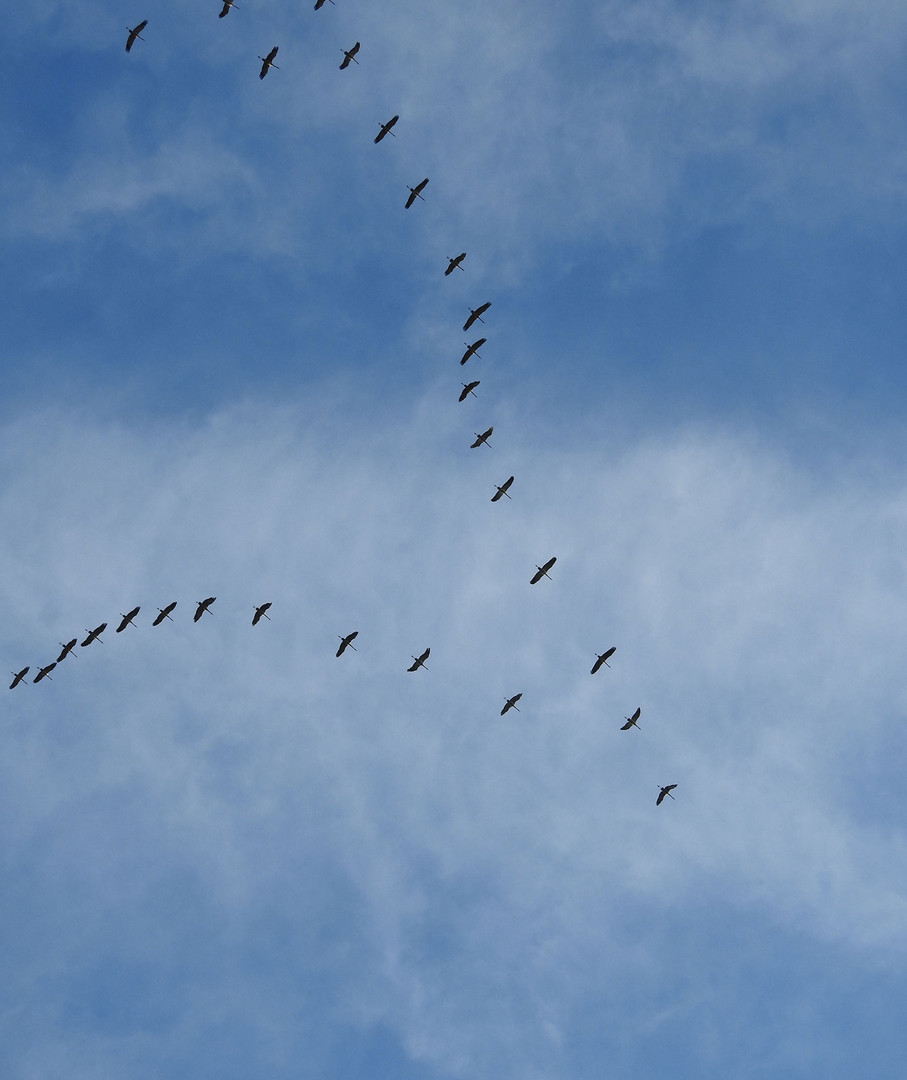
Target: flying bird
[416, 193]
[502, 490]
[511, 703]
[386, 129]
[127, 619]
[18, 676]
[94, 635]
[227, 5]
[476, 313]
[135, 32]
[203, 606]
[349, 54]
[480, 439]
[163, 613]
[67, 649]
[603, 659]
[419, 661]
[347, 642]
[473, 349]
[44, 673]
[320, 3]
[542, 571]
[261, 611]
[455, 263]
[468, 388]
[631, 721]
[267, 62]
[665, 791]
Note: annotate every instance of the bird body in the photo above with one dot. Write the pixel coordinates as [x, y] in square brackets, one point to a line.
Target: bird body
[267, 62]
[666, 790]
[164, 613]
[542, 571]
[473, 349]
[67, 649]
[481, 439]
[348, 55]
[127, 619]
[18, 676]
[416, 193]
[44, 673]
[386, 128]
[203, 606]
[476, 313]
[261, 612]
[228, 4]
[603, 659]
[135, 32]
[455, 263]
[468, 388]
[502, 490]
[631, 721]
[511, 703]
[94, 635]
[347, 642]
[419, 661]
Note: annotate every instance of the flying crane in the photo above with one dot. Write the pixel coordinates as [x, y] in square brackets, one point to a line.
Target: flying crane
[455, 263]
[94, 635]
[164, 613]
[203, 606]
[267, 62]
[603, 659]
[67, 649]
[631, 721]
[476, 313]
[542, 571]
[386, 128]
[481, 439]
[502, 490]
[473, 349]
[261, 612]
[18, 676]
[468, 388]
[419, 661]
[416, 193]
[666, 790]
[135, 32]
[228, 4]
[44, 673]
[348, 55]
[127, 619]
[347, 642]
[511, 703]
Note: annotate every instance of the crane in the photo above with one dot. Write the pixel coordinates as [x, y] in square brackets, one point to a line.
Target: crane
[603, 659]
[94, 635]
[164, 613]
[127, 619]
[455, 263]
[135, 32]
[416, 193]
[666, 790]
[481, 439]
[473, 349]
[261, 612]
[502, 490]
[44, 673]
[228, 4]
[511, 703]
[203, 606]
[419, 661]
[267, 62]
[542, 571]
[67, 649]
[476, 313]
[468, 388]
[349, 54]
[347, 642]
[631, 721]
[18, 676]
[386, 128]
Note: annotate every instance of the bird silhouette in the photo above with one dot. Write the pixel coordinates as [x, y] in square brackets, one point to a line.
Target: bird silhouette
[163, 613]
[349, 55]
[603, 659]
[135, 32]
[666, 790]
[468, 388]
[386, 128]
[94, 635]
[476, 313]
[419, 661]
[473, 349]
[261, 612]
[203, 606]
[127, 619]
[631, 721]
[511, 703]
[347, 642]
[481, 439]
[502, 489]
[542, 571]
[416, 193]
[18, 676]
[267, 62]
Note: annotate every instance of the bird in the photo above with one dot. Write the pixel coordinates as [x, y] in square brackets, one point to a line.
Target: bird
[203, 606]
[67, 649]
[227, 5]
[44, 673]
[94, 635]
[666, 790]
[603, 659]
[419, 661]
[473, 349]
[349, 54]
[135, 32]
[164, 613]
[127, 619]
[416, 193]
[631, 720]
[267, 62]
[542, 571]
[476, 313]
[320, 3]
[502, 490]
[468, 388]
[347, 642]
[455, 263]
[18, 676]
[480, 439]
[386, 129]
[511, 703]
[261, 611]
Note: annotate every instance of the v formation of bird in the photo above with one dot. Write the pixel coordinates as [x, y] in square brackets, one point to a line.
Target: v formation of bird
[454, 262]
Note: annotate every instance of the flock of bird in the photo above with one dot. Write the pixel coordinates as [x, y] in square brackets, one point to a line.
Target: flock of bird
[481, 439]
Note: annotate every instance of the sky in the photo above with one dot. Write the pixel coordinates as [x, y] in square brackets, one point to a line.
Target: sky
[231, 369]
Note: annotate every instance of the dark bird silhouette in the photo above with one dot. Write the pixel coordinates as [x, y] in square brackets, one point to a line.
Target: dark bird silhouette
[163, 613]
[511, 703]
[476, 313]
[473, 349]
[203, 606]
[228, 4]
[603, 659]
[665, 791]
[94, 635]
[468, 388]
[320, 4]
[127, 619]
[419, 661]
[66, 649]
[480, 439]
[455, 263]
[416, 193]
[542, 571]
[631, 721]
[267, 62]
[18, 676]
[502, 490]
[260, 612]
[44, 673]
[348, 55]
[347, 642]
[386, 129]
[135, 32]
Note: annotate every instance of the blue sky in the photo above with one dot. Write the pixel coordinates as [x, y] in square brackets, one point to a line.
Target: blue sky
[231, 369]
